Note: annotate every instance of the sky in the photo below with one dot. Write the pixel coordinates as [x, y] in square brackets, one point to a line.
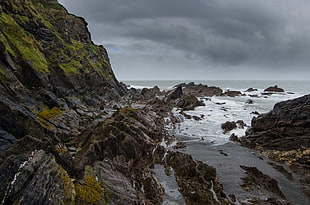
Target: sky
[201, 39]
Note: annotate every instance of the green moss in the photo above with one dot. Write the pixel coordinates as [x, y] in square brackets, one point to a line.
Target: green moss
[88, 190]
[24, 42]
[3, 78]
[77, 44]
[48, 114]
[72, 67]
[69, 188]
[8, 49]
[48, 4]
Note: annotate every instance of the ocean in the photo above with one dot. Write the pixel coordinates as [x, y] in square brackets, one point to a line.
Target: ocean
[220, 109]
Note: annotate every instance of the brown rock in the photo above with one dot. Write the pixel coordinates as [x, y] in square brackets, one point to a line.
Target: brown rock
[256, 178]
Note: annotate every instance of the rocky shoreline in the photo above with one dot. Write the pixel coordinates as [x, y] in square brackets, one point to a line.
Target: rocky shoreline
[70, 133]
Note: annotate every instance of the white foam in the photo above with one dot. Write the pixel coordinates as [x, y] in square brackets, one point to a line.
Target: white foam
[139, 86]
[220, 109]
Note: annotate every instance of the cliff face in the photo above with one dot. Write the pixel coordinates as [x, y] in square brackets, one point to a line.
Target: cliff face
[54, 81]
[49, 69]
[283, 134]
[44, 47]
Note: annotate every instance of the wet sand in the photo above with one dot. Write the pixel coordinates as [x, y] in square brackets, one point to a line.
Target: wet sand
[227, 159]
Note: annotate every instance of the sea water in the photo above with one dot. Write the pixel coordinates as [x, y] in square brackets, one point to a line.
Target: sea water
[220, 109]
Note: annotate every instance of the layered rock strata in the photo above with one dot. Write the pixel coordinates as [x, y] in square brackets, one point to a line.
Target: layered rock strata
[284, 134]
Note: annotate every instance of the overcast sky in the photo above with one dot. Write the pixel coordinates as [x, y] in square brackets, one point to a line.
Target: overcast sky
[201, 39]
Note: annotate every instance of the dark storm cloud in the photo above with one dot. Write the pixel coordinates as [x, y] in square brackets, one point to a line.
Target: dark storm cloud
[255, 33]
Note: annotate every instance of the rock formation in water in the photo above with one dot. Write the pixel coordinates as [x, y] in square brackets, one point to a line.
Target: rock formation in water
[59, 142]
[284, 134]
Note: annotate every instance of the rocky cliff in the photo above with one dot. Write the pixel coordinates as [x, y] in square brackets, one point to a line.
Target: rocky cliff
[51, 73]
[60, 142]
[283, 134]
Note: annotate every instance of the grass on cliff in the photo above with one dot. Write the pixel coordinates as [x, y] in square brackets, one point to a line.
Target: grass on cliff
[3, 79]
[25, 44]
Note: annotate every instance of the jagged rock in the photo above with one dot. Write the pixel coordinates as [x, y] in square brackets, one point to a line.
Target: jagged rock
[150, 93]
[254, 96]
[282, 170]
[284, 134]
[180, 145]
[228, 126]
[196, 118]
[233, 137]
[232, 93]
[284, 128]
[201, 90]
[251, 90]
[197, 181]
[188, 102]
[255, 178]
[177, 93]
[37, 171]
[274, 89]
[240, 124]
[255, 113]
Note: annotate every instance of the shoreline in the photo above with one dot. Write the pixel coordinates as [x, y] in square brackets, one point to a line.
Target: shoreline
[228, 158]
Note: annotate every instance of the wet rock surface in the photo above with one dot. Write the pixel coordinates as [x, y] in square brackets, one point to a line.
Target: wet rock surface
[230, 125]
[274, 89]
[283, 134]
[200, 90]
[255, 179]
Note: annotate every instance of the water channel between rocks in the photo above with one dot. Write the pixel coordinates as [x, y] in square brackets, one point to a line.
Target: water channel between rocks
[227, 159]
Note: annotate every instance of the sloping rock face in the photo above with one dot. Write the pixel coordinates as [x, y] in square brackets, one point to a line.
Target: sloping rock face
[50, 72]
[284, 134]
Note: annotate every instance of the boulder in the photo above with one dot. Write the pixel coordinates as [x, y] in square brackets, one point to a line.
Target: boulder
[228, 126]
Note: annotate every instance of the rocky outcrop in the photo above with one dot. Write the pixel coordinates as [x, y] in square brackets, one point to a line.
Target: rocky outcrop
[197, 181]
[251, 90]
[274, 89]
[255, 179]
[232, 93]
[284, 134]
[230, 125]
[54, 82]
[200, 90]
[284, 128]
[53, 78]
